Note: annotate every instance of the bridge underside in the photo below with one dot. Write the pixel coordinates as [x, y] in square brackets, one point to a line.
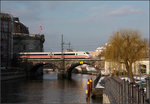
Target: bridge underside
[69, 65]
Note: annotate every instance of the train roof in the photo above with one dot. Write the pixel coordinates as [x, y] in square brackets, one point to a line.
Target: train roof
[48, 52]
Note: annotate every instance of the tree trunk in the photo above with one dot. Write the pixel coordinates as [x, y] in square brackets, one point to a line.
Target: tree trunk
[129, 70]
[130, 73]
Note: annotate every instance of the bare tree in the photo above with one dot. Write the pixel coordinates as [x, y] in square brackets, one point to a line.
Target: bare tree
[126, 46]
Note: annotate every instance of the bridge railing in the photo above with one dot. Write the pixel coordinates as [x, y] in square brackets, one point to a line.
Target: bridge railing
[124, 92]
[96, 80]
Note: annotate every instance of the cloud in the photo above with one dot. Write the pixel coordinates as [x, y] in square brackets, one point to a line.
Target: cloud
[98, 8]
[124, 10]
[61, 17]
[29, 10]
[31, 13]
[97, 13]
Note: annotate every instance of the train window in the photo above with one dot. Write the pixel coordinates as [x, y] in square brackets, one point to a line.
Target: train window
[87, 53]
[57, 54]
[66, 54]
[39, 54]
[34, 54]
[70, 54]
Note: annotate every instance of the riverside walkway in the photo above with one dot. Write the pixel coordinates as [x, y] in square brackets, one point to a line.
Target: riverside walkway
[125, 92]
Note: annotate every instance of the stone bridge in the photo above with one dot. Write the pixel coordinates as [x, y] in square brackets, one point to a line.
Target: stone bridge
[64, 67]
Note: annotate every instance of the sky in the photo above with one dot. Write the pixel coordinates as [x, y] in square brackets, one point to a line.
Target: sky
[85, 24]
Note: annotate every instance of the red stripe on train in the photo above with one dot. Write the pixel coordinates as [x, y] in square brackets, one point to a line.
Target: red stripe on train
[56, 56]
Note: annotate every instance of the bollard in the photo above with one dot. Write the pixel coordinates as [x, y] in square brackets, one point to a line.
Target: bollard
[88, 100]
[86, 93]
[91, 84]
[88, 87]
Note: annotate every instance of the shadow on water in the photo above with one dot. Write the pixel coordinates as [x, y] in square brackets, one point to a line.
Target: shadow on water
[49, 90]
[17, 91]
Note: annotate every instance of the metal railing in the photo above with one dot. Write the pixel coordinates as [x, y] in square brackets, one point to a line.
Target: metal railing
[124, 92]
[96, 80]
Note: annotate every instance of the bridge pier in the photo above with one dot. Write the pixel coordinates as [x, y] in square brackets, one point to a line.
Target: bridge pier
[61, 74]
[64, 75]
[68, 75]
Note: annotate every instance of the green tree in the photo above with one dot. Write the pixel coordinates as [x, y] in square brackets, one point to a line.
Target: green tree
[126, 46]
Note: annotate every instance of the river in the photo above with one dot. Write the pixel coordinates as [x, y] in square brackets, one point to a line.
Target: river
[50, 90]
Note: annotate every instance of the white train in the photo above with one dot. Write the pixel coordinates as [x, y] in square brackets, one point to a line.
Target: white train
[48, 55]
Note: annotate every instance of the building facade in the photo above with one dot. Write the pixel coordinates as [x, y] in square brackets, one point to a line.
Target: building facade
[23, 41]
[140, 67]
[15, 38]
[19, 27]
[98, 52]
[6, 45]
[27, 42]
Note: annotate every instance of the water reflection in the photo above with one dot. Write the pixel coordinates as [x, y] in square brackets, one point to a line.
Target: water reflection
[48, 90]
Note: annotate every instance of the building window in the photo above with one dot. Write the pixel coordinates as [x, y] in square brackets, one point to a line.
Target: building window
[142, 69]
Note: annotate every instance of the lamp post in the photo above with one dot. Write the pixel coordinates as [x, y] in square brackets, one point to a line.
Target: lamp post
[62, 53]
[61, 72]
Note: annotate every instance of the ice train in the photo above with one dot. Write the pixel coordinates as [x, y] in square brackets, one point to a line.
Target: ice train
[48, 55]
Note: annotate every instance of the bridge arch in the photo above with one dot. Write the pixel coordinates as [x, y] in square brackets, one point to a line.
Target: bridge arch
[69, 70]
[36, 71]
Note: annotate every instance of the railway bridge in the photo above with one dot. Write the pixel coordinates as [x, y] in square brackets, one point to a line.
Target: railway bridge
[63, 67]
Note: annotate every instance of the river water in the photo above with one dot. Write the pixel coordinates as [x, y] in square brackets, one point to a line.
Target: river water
[50, 90]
